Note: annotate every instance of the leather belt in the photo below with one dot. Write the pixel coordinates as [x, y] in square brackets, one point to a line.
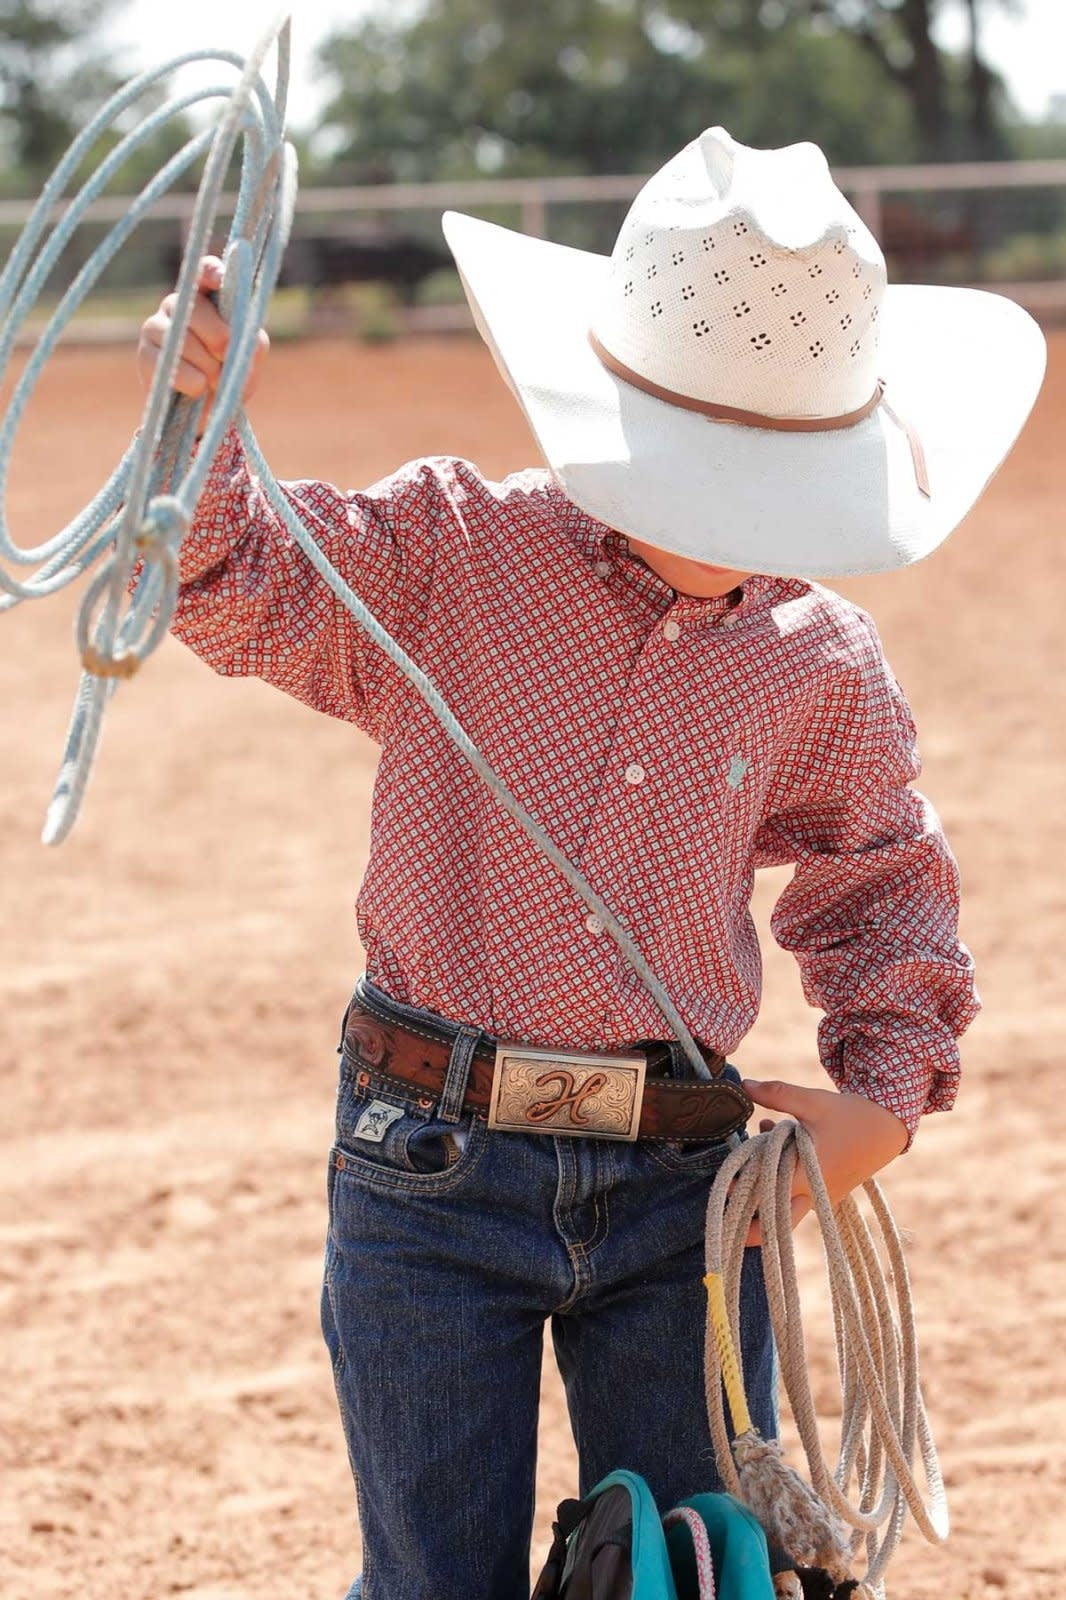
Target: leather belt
[528, 1089]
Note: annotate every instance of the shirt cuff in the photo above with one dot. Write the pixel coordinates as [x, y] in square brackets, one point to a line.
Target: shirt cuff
[215, 530]
[909, 1069]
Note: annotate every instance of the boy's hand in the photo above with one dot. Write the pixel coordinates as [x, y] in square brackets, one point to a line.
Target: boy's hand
[853, 1138]
[205, 342]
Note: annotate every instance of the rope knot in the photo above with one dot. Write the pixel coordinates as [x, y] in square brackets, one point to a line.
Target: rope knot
[163, 526]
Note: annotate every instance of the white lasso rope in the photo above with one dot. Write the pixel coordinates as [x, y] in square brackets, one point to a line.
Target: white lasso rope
[884, 1414]
[141, 515]
[144, 510]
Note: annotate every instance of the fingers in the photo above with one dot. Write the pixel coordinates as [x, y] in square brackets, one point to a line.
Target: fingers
[199, 369]
[804, 1104]
[209, 278]
[766, 1092]
[205, 322]
[206, 340]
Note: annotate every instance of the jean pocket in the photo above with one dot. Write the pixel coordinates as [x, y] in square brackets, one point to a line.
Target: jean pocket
[389, 1135]
[701, 1158]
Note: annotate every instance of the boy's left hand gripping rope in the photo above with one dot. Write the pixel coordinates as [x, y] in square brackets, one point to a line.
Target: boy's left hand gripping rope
[145, 508]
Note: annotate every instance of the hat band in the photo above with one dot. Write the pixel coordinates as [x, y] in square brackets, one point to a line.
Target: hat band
[757, 419]
[710, 408]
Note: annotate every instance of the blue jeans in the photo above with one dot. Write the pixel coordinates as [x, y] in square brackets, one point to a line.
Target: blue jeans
[449, 1248]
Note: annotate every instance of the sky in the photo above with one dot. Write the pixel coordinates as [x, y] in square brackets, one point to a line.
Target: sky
[1029, 47]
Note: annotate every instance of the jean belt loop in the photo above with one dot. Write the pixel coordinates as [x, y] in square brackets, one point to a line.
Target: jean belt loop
[450, 1106]
[679, 1067]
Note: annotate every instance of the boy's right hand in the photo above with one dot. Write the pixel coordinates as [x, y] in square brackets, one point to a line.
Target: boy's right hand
[205, 342]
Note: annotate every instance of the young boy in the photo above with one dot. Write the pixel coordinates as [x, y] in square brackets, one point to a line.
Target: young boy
[632, 640]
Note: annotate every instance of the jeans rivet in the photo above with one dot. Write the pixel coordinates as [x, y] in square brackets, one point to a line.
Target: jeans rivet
[340, 1163]
[425, 1101]
[363, 1079]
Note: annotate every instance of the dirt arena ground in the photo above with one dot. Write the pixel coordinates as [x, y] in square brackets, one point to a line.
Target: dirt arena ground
[172, 978]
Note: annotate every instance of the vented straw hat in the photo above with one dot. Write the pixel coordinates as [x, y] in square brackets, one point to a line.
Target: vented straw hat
[738, 384]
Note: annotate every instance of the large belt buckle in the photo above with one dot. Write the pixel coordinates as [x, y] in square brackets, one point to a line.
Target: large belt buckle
[579, 1093]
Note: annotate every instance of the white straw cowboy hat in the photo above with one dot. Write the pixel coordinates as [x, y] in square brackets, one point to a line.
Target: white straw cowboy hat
[737, 384]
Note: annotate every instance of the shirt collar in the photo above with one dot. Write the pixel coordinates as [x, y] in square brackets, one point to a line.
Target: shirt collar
[613, 547]
[600, 544]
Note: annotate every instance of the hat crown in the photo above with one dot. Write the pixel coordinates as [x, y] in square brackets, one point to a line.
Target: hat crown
[743, 278]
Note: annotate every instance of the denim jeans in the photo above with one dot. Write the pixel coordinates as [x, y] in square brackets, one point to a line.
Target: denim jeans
[449, 1248]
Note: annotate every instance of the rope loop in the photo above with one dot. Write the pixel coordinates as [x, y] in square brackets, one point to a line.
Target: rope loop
[146, 507]
[140, 517]
[142, 513]
[884, 1417]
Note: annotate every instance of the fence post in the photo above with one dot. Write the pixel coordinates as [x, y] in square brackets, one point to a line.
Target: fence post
[867, 202]
[535, 214]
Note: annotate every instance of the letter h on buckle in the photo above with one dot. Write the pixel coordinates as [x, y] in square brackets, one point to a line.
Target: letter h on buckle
[580, 1094]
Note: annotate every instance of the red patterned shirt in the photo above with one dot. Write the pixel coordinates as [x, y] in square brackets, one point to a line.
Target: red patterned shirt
[669, 745]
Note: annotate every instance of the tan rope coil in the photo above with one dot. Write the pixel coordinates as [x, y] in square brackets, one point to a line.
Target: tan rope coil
[883, 1413]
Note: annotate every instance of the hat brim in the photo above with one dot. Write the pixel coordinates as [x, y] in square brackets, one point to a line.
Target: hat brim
[961, 366]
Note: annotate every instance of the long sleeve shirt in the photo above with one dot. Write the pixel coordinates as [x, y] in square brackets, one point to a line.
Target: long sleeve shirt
[670, 746]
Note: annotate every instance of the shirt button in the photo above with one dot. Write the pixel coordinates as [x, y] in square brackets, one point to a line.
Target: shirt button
[602, 569]
[593, 923]
[671, 630]
[634, 772]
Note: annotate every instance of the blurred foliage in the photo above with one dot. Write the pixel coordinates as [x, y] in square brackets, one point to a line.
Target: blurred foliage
[457, 88]
[55, 72]
[446, 89]
[47, 83]
[1033, 257]
[1039, 141]
[957, 103]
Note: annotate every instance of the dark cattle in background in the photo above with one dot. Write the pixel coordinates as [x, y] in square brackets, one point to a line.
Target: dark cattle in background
[322, 260]
[326, 260]
[916, 242]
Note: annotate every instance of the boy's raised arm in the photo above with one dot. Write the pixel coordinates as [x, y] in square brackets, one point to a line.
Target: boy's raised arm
[250, 602]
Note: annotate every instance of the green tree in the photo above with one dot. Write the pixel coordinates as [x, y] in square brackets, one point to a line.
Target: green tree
[958, 104]
[462, 87]
[53, 74]
[56, 71]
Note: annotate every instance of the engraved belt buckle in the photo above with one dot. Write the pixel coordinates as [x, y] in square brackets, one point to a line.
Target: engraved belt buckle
[580, 1093]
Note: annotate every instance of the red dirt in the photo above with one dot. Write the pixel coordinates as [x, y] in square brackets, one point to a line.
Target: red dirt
[172, 978]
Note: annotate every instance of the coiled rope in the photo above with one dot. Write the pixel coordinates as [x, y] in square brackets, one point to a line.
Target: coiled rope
[142, 514]
[884, 1414]
[147, 505]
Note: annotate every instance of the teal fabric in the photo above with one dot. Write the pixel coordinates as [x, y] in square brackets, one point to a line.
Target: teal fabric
[738, 1548]
[664, 1564]
[652, 1577]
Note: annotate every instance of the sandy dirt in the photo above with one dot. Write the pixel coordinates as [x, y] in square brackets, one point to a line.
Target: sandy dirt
[170, 986]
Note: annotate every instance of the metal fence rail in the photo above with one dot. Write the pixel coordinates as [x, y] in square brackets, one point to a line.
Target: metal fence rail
[869, 189]
[865, 187]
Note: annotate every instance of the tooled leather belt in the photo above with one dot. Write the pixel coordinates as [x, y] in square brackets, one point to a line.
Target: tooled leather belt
[521, 1088]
